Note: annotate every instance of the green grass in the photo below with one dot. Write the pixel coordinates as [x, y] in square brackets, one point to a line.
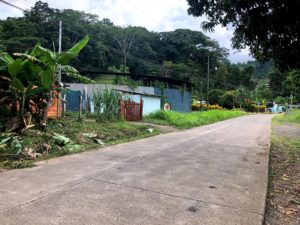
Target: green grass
[290, 117]
[290, 144]
[193, 119]
[284, 164]
[109, 133]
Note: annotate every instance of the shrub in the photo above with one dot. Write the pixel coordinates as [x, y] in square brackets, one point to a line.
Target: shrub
[227, 100]
[204, 107]
[215, 96]
[255, 108]
[106, 104]
[281, 100]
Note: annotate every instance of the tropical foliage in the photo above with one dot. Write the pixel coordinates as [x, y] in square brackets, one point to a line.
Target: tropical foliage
[29, 82]
[107, 104]
[179, 54]
[174, 54]
[271, 29]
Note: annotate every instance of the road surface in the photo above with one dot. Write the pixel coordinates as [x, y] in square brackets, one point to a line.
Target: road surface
[215, 174]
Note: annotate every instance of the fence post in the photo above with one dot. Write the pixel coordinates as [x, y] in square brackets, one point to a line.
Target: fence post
[141, 109]
[121, 109]
[86, 100]
[65, 104]
[80, 107]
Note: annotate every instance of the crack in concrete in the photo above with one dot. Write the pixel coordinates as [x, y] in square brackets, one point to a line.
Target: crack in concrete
[45, 196]
[177, 196]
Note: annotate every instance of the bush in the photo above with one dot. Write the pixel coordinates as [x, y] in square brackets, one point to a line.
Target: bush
[255, 108]
[204, 107]
[226, 100]
[281, 100]
[215, 96]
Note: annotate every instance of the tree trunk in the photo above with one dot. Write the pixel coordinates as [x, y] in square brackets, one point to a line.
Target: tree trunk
[45, 116]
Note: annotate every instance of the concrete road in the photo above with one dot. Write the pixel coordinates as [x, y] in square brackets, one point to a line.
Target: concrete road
[215, 174]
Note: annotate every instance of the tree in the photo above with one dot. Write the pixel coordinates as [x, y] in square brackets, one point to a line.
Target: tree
[150, 53]
[241, 94]
[271, 29]
[228, 99]
[215, 96]
[292, 84]
[262, 92]
[276, 78]
[125, 41]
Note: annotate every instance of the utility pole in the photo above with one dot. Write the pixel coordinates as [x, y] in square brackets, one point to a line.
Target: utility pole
[201, 91]
[59, 51]
[207, 77]
[59, 71]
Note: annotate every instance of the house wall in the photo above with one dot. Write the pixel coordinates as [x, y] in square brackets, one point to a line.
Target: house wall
[150, 104]
[179, 100]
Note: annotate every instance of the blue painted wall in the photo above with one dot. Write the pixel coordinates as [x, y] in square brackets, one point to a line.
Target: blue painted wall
[72, 98]
[179, 101]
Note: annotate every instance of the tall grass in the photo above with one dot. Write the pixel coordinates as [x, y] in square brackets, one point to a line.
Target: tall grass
[290, 117]
[187, 120]
[107, 104]
[293, 116]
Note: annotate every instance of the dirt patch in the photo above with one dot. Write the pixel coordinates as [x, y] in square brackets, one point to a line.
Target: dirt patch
[283, 202]
[287, 130]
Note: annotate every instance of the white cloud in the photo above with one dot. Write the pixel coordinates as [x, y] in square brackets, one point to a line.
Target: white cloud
[155, 15]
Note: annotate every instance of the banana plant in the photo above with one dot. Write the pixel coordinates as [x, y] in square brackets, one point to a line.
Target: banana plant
[33, 76]
[54, 62]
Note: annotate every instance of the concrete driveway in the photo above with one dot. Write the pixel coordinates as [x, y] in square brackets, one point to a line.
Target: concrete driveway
[215, 174]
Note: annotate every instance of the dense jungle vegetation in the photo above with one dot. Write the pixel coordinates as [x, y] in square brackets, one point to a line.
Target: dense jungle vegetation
[180, 54]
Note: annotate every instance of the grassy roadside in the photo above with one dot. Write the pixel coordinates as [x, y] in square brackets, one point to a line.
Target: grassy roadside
[283, 200]
[66, 136]
[193, 119]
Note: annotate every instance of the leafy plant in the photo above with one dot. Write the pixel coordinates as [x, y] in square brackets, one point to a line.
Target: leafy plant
[241, 94]
[107, 104]
[32, 80]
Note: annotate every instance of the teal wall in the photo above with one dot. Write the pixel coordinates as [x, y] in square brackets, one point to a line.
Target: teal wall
[179, 100]
[151, 104]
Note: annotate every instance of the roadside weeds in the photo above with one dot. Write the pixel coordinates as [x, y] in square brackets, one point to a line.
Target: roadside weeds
[283, 200]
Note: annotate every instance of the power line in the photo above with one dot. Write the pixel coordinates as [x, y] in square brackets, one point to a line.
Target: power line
[13, 5]
[48, 1]
[20, 4]
[142, 11]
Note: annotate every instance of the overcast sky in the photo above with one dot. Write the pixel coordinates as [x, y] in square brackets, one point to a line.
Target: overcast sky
[155, 15]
